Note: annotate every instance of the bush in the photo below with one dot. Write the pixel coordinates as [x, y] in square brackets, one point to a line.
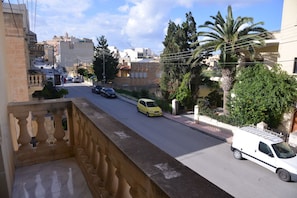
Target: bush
[144, 93]
[50, 92]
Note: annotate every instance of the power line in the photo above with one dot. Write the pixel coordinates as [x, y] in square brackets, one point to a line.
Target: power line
[13, 18]
[242, 44]
[228, 50]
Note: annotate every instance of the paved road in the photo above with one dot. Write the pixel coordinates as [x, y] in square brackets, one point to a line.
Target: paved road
[204, 154]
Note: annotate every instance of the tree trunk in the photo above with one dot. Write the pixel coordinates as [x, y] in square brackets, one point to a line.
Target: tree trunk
[226, 84]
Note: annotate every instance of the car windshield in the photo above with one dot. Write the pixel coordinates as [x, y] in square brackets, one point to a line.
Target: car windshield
[110, 90]
[151, 104]
[283, 150]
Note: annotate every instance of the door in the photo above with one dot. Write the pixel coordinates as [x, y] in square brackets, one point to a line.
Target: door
[265, 156]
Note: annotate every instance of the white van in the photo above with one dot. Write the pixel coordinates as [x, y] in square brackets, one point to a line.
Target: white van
[267, 149]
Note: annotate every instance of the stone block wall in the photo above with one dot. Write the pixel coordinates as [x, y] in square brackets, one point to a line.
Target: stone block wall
[16, 57]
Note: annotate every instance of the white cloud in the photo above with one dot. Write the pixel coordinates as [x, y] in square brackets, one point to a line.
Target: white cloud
[146, 21]
[124, 8]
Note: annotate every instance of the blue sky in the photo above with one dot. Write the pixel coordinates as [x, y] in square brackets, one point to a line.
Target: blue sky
[136, 23]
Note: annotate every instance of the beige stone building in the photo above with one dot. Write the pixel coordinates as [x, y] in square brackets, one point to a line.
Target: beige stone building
[139, 75]
[69, 52]
[18, 48]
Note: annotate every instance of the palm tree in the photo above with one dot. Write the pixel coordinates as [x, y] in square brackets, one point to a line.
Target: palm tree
[230, 36]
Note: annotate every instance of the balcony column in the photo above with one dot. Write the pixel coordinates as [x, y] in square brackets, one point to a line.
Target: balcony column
[80, 135]
[101, 169]
[94, 155]
[95, 161]
[24, 138]
[111, 180]
[138, 191]
[41, 136]
[59, 130]
[123, 186]
[89, 151]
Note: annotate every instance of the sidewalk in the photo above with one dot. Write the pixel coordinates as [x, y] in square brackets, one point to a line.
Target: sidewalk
[205, 124]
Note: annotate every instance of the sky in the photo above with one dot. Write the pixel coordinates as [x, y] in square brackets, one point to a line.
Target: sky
[130, 24]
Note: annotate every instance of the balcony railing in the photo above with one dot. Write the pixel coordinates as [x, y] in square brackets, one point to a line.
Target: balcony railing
[36, 80]
[115, 161]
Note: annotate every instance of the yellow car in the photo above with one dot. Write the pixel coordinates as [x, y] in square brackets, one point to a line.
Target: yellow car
[148, 107]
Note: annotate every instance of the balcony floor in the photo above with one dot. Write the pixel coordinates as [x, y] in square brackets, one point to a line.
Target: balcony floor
[61, 178]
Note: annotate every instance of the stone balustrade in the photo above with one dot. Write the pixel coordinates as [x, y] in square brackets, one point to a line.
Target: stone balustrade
[36, 80]
[45, 142]
[115, 161]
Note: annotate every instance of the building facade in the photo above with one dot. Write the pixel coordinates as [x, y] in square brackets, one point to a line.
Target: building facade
[139, 75]
[287, 38]
[17, 51]
[69, 52]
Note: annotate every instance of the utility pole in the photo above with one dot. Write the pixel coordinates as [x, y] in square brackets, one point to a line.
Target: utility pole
[103, 74]
[54, 83]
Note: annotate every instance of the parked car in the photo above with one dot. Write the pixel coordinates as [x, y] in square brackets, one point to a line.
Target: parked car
[267, 149]
[77, 80]
[96, 89]
[108, 92]
[148, 107]
[69, 79]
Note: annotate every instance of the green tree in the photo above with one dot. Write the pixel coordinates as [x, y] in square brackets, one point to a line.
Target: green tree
[230, 36]
[105, 63]
[183, 94]
[176, 53]
[83, 72]
[262, 94]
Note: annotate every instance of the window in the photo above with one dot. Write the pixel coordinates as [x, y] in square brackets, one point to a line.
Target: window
[264, 148]
[142, 102]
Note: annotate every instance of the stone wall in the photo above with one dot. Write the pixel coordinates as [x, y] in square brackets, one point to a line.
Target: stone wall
[16, 57]
[6, 153]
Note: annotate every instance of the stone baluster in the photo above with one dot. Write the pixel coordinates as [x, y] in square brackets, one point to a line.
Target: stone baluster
[39, 79]
[123, 186]
[24, 137]
[88, 143]
[59, 130]
[94, 155]
[78, 125]
[83, 140]
[138, 191]
[88, 151]
[102, 167]
[111, 180]
[95, 161]
[41, 136]
[81, 135]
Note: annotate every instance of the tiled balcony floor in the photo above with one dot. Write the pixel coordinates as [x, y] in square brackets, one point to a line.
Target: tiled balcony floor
[56, 179]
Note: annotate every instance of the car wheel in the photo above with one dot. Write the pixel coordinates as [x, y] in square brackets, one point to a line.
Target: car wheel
[147, 114]
[237, 154]
[138, 109]
[284, 175]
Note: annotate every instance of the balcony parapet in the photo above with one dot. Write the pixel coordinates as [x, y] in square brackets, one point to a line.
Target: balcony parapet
[36, 80]
[115, 161]
[34, 141]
